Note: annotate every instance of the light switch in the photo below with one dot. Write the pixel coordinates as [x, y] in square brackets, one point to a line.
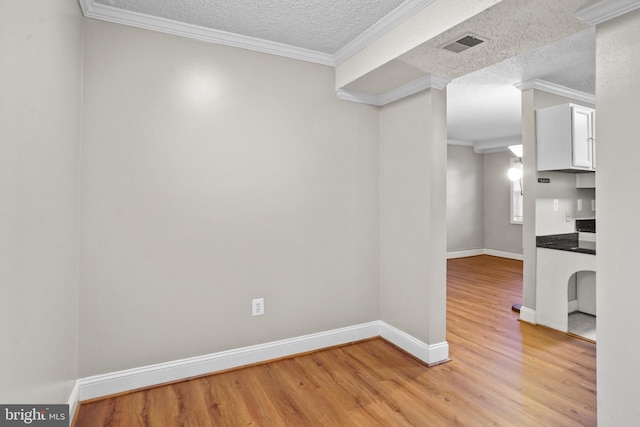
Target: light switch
[579, 204]
[555, 205]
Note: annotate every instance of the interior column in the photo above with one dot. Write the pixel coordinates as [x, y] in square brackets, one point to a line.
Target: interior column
[413, 224]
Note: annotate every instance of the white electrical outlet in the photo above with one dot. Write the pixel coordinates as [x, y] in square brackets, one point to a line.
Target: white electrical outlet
[579, 204]
[257, 307]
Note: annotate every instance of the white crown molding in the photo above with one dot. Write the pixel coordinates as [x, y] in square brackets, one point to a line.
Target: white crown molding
[489, 146]
[102, 12]
[498, 149]
[403, 12]
[556, 89]
[497, 144]
[406, 10]
[361, 97]
[460, 142]
[152, 375]
[605, 10]
[427, 82]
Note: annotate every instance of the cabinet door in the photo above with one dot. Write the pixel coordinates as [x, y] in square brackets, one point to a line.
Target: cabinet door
[582, 137]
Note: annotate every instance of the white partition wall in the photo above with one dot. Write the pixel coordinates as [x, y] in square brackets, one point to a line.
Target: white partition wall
[40, 113]
[413, 215]
[617, 130]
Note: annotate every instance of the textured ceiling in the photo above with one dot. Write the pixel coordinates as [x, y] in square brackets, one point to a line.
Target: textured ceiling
[525, 40]
[319, 25]
[484, 105]
[510, 28]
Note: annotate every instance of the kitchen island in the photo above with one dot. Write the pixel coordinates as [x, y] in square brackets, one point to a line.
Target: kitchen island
[562, 261]
[569, 242]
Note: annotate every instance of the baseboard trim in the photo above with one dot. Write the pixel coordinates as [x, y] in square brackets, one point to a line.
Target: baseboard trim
[504, 254]
[573, 306]
[528, 315]
[137, 378]
[464, 254]
[132, 379]
[492, 252]
[73, 401]
[431, 354]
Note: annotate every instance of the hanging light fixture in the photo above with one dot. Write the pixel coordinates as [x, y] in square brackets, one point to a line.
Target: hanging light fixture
[514, 174]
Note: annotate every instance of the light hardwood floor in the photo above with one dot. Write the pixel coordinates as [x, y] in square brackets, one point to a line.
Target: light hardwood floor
[502, 373]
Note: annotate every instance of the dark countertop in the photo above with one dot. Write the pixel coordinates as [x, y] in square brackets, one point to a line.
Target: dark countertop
[566, 242]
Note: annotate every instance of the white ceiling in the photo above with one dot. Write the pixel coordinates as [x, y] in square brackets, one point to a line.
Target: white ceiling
[483, 105]
[319, 25]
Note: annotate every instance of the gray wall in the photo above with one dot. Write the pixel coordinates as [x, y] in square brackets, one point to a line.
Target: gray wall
[499, 233]
[478, 202]
[206, 184]
[465, 199]
[40, 47]
[563, 188]
[617, 130]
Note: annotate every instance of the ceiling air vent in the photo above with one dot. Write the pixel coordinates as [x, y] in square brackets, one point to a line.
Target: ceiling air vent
[463, 43]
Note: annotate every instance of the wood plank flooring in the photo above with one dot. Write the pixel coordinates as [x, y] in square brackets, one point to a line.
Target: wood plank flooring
[502, 373]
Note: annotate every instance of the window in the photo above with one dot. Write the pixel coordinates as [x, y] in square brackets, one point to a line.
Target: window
[517, 196]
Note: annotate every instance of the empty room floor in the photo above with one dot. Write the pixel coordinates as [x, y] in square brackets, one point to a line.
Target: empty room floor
[502, 373]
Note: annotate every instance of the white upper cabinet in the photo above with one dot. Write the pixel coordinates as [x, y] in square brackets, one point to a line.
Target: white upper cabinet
[564, 137]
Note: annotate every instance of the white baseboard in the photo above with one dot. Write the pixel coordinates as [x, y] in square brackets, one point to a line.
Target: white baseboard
[73, 401]
[132, 379]
[573, 306]
[492, 252]
[431, 354]
[503, 254]
[528, 315]
[464, 254]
